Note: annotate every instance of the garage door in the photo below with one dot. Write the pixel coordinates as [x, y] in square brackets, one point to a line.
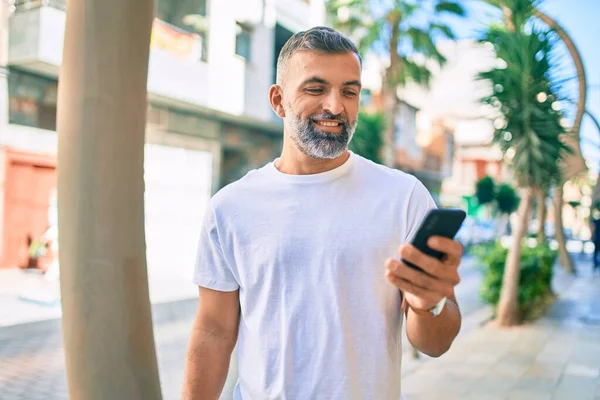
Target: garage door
[178, 188]
[28, 191]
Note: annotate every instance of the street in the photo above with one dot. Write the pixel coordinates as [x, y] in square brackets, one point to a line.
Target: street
[33, 365]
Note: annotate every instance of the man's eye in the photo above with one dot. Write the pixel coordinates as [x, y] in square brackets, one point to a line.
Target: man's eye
[351, 94]
[314, 90]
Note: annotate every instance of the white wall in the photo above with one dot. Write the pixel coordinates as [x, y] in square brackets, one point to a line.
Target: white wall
[52, 32]
[259, 74]
[24, 36]
[177, 78]
[226, 83]
[27, 139]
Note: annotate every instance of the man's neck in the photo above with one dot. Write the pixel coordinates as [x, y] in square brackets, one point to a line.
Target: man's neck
[295, 162]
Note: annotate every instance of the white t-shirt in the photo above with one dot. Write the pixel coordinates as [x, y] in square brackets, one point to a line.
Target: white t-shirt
[318, 318]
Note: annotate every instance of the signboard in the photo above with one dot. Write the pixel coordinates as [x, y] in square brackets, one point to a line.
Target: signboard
[166, 37]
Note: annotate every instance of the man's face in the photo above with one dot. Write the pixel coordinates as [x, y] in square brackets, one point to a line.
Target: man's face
[321, 101]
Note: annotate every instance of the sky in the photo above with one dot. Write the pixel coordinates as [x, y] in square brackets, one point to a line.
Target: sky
[580, 18]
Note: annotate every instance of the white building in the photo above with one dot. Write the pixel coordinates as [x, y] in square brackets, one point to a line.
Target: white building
[209, 120]
[453, 97]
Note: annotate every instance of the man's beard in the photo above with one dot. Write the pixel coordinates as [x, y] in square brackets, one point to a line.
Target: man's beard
[315, 142]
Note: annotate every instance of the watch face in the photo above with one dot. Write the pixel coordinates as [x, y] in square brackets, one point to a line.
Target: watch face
[437, 309]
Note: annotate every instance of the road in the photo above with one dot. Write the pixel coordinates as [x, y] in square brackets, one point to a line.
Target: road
[32, 355]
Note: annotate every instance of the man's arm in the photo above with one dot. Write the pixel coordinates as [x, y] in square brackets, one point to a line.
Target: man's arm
[422, 289]
[212, 341]
[433, 336]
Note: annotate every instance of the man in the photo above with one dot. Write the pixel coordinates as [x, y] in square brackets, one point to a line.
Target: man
[298, 262]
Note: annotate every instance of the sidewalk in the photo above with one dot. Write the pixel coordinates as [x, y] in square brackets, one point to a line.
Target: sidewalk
[28, 296]
[556, 358]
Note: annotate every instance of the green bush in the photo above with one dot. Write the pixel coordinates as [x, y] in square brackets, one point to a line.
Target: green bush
[485, 190]
[368, 137]
[534, 280]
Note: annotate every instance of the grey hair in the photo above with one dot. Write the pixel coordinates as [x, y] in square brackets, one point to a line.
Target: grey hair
[320, 39]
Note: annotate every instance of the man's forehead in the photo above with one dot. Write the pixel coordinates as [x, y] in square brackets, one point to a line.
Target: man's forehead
[336, 67]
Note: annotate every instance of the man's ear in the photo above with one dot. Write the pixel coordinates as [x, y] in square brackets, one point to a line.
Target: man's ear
[276, 99]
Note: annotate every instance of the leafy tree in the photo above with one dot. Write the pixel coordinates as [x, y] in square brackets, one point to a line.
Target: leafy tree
[368, 138]
[404, 32]
[529, 131]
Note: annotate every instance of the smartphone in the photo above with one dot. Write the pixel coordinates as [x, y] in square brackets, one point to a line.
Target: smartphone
[438, 222]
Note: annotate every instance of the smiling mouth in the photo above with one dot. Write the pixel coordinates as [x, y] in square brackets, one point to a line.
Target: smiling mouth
[331, 124]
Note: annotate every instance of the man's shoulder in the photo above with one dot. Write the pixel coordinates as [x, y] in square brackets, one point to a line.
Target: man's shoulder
[248, 185]
[383, 173]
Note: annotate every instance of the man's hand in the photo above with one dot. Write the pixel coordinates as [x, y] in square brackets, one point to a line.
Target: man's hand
[423, 290]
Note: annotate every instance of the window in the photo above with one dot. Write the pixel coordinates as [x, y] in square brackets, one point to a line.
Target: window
[32, 100]
[186, 16]
[243, 39]
[282, 35]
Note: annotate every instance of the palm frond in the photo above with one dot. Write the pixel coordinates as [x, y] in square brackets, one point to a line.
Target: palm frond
[523, 92]
[422, 42]
[414, 72]
[450, 7]
[444, 30]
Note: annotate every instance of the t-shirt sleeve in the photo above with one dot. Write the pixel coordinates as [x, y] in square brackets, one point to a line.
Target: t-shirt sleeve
[212, 269]
[419, 204]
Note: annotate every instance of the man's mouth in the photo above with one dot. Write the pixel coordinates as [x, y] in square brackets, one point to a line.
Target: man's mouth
[331, 124]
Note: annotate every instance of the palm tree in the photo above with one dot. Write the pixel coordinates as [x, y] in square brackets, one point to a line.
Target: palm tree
[404, 32]
[542, 195]
[565, 259]
[531, 134]
[574, 163]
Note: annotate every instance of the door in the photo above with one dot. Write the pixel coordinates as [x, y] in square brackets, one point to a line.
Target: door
[178, 187]
[28, 190]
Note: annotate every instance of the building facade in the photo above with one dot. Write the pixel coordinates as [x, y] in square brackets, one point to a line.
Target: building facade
[209, 119]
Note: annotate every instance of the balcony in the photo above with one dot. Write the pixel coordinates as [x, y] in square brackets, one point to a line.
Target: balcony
[36, 34]
[184, 52]
[177, 68]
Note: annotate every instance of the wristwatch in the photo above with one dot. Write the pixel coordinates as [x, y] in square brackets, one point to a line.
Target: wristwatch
[433, 311]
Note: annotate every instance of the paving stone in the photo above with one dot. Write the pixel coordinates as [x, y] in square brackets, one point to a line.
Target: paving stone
[571, 387]
[482, 395]
[545, 370]
[528, 395]
[582, 370]
[484, 358]
[509, 369]
[537, 384]
[498, 385]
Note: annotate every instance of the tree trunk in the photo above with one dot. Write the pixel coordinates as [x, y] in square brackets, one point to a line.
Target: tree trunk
[574, 164]
[390, 105]
[390, 97]
[542, 212]
[508, 307]
[563, 254]
[107, 321]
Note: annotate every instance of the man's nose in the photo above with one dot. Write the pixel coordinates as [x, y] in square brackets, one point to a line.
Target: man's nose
[333, 103]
